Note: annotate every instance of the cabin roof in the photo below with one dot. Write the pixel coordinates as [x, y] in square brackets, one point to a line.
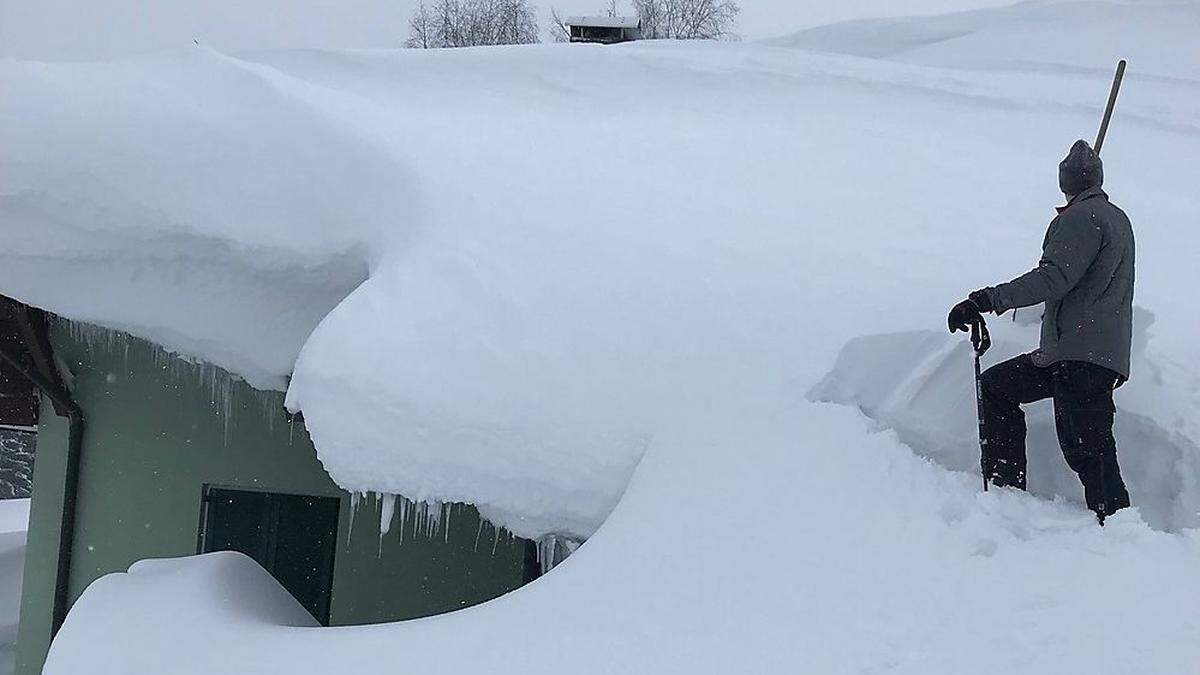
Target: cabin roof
[604, 21]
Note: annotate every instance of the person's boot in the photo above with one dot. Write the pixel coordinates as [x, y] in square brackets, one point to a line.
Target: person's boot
[1111, 506]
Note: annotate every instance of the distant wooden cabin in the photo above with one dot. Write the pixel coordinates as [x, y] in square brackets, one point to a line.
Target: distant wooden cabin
[605, 30]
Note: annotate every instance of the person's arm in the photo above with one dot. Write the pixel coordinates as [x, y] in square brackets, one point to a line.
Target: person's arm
[1071, 246]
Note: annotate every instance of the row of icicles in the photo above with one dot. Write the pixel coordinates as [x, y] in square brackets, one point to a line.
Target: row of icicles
[225, 390]
[425, 518]
[432, 518]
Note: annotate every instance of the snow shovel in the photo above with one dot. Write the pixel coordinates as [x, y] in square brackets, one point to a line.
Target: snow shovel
[981, 341]
[1108, 111]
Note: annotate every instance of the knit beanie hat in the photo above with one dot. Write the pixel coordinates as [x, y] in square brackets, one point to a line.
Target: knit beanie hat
[1080, 170]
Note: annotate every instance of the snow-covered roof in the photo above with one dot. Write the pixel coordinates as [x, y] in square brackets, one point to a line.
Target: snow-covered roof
[396, 238]
[649, 354]
[604, 21]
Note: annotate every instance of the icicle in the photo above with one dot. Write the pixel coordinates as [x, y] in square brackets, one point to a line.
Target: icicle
[422, 520]
[552, 549]
[386, 512]
[548, 556]
[263, 401]
[434, 520]
[405, 507]
[227, 390]
[387, 509]
[355, 498]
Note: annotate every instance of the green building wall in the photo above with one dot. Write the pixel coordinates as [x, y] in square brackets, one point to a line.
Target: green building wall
[160, 428]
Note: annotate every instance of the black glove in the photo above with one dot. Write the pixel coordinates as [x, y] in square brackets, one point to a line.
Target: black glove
[982, 301]
[962, 316]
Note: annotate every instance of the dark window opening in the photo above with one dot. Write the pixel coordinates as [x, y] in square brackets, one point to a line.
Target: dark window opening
[292, 536]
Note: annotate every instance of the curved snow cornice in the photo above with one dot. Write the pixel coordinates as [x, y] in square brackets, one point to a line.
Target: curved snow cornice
[192, 199]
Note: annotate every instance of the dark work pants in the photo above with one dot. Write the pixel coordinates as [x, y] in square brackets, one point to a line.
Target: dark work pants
[1083, 417]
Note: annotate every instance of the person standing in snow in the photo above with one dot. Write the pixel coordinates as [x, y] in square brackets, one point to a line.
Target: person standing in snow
[1085, 279]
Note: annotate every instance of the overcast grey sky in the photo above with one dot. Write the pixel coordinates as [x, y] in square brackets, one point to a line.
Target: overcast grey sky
[92, 29]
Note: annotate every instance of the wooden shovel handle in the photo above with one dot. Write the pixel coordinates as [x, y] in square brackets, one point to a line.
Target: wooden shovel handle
[1112, 102]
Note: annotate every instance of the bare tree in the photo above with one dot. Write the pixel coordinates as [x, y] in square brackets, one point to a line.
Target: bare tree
[420, 29]
[559, 32]
[515, 22]
[687, 19]
[472, 23]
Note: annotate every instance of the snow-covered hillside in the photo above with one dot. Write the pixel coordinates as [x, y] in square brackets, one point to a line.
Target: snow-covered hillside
[590, 268]
[1069, 36]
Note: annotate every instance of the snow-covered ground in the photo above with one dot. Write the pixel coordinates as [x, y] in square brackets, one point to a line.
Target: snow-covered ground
[14, 519]
[592, 268]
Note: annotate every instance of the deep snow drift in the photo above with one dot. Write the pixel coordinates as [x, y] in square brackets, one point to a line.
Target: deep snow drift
[595, 263]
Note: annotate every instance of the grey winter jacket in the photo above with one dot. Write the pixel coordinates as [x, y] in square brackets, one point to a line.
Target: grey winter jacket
[1085, 277]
